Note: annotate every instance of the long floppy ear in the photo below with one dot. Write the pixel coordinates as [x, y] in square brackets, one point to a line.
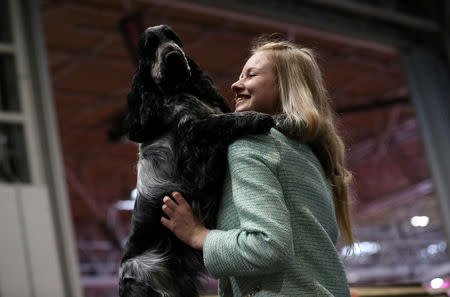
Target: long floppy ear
[172, 35]
[134, 125]
[143, 117]
[204, 87]
[136, 100]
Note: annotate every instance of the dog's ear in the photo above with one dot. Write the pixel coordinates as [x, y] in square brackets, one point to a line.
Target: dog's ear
[133, 119]
[196, 71]
[199, 78]
[172, 35]
[204, 87]
[143, 116]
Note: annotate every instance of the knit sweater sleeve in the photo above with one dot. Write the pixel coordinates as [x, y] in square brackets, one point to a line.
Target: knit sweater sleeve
[263, 242]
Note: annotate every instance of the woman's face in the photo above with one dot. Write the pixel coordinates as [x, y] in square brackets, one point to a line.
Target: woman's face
[257, 88]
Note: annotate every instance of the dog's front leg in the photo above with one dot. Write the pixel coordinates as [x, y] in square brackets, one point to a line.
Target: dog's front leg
[230, 126]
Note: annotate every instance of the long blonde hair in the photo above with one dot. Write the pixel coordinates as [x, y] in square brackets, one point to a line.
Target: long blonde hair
[304, 103]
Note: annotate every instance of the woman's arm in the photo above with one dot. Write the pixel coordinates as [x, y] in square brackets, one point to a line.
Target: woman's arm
[263, 242]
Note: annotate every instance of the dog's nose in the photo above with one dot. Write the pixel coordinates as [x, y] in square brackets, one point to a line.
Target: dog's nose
[173, 55]
[174, 60]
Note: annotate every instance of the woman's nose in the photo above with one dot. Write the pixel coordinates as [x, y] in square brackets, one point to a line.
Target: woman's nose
[238, 85]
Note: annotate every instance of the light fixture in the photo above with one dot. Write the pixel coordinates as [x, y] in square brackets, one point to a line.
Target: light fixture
[420, 221]
[125, 204]
[133, 194]
[362, 248]
[436, 283]
[128, 204]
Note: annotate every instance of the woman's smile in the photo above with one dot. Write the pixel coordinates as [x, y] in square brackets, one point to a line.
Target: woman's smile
[240, 99]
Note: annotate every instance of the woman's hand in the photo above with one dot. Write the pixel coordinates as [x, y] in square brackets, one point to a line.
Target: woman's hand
[182, 221]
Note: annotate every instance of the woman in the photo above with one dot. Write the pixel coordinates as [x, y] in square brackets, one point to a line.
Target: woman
[285, 192]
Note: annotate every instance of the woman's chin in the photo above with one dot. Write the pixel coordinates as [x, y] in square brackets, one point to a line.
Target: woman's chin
[241, 106]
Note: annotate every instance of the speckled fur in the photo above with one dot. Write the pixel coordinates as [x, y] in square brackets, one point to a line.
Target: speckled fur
[184, 128]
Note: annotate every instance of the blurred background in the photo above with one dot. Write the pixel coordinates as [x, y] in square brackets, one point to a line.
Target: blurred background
[68, 174]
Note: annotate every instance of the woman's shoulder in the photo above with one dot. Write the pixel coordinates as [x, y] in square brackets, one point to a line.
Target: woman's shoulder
[273, 145]
[255, 143]
[270, 140]
[261, 147]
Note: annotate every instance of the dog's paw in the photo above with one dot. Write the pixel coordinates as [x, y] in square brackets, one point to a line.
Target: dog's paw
[263, 122]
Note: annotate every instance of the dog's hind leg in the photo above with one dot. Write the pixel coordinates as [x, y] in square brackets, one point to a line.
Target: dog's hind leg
[149, 274]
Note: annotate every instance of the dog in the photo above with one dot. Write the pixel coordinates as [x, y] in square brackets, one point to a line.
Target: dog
[183, 127]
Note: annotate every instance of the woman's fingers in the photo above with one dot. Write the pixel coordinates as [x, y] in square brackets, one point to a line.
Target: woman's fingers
[178, 198]
[170, 206]
[166, 223]
[167, 210]
[169, 203]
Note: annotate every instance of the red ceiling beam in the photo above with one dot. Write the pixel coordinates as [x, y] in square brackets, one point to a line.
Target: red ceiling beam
[397, 199]
[290, 28]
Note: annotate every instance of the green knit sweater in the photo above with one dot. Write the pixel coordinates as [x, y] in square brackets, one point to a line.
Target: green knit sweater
[276, 228]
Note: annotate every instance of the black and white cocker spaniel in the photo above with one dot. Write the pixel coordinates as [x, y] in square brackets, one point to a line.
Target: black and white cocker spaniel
[184, 127]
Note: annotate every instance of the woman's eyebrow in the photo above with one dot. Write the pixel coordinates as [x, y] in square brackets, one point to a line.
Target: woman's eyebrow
[246, 71]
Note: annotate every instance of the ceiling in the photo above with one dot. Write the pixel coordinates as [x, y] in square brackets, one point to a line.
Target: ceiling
[91, 72]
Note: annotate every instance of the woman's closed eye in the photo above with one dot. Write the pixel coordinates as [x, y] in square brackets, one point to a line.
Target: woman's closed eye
[247, 75]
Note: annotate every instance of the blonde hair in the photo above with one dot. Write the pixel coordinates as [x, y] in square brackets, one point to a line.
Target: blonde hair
[304, 103]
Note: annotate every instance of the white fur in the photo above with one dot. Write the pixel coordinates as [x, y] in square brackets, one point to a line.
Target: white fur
[148, 181]
[150, 269]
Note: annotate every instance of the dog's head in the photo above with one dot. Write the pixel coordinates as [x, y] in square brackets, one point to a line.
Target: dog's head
[160, 53]
[163, 70]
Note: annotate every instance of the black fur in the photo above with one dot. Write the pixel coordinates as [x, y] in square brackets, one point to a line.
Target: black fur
[184, 127]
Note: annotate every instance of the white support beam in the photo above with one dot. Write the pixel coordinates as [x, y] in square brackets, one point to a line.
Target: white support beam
[429, 82]
[45, 124]
[6, 48]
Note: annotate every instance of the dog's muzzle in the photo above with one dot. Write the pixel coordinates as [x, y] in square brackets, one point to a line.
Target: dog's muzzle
[170, 69]
[175, 60]
[176, 70]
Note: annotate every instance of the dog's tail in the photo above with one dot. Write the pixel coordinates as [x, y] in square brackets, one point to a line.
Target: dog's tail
[146, 275]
